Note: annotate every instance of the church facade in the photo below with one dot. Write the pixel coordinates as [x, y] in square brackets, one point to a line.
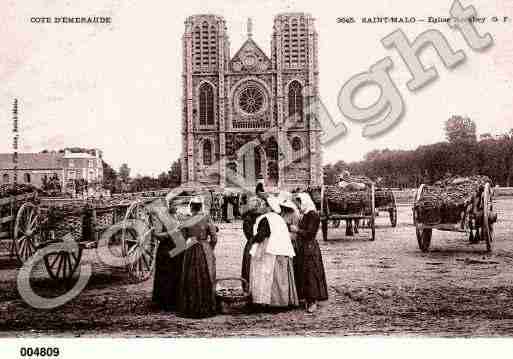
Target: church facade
[250, 114]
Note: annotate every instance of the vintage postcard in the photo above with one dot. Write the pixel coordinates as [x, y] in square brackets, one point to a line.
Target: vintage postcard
[270, 169]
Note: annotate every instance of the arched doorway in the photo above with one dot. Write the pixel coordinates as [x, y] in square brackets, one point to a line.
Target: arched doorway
[252, 164]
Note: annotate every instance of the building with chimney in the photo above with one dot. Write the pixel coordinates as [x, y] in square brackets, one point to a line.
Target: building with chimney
[68, 165]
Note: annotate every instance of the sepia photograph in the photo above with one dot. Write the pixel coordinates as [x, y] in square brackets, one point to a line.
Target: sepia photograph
[281, 169]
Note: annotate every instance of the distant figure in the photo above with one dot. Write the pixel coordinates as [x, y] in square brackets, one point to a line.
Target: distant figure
[259, 189]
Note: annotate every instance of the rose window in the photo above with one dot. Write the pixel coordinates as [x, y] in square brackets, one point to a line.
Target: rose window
[251, 100]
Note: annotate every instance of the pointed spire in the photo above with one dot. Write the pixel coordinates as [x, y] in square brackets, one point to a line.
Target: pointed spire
[250, 28]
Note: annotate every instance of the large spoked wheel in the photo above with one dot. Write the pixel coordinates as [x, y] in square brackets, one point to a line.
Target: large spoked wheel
[27, 232]
[336, 223]
[423, 234]
[139, 246]
[62, 265]
[488, 220]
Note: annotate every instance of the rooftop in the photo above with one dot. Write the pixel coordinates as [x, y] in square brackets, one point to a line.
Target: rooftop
[51, 160]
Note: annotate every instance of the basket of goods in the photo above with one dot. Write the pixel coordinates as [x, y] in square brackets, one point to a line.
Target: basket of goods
[67, 221]
[230, 299]
[449, 201]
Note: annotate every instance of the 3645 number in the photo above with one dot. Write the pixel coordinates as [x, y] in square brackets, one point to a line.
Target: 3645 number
[39, 352]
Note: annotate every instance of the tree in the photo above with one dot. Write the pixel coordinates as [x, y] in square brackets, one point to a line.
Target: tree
[460, 129]
[175, 174]
[110, 177]
[124, 172]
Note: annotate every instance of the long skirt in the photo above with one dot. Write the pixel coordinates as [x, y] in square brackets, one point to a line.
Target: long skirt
[310, 278]
[272, 279]
[246, 262]
[168, 271]
[197, 286]
[247, 228]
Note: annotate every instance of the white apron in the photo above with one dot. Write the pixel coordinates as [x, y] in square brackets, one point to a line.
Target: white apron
[263, 257]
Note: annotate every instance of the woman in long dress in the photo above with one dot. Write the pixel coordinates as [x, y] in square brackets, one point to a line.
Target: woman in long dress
[291, 216]
[311, 277]
[197, 285]
[272, 281]
[254, 208]
[168, 271]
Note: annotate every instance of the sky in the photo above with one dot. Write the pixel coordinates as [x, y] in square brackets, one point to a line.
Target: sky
[117, 87]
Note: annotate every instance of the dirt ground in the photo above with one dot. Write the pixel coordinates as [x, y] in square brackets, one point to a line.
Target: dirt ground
[386, 287]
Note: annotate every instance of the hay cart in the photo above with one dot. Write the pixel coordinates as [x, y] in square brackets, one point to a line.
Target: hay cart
[385, 202]
[352, 215]
[477, 220]
[59, 220]
[9, 212]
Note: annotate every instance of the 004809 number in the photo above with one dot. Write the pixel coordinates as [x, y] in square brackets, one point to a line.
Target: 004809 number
[39, 352]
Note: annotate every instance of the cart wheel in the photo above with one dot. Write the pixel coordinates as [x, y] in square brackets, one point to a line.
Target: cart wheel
[63, 264]
[324, 225]
[27, 232]
[393, 217]
[487, 231]
[139, 249]
[336, 223]
[424, 238]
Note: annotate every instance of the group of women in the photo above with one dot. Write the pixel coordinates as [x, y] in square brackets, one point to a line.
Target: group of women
[282, 264]
[282, 260]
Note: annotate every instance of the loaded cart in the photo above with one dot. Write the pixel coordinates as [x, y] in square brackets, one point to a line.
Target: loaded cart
[48, 221]
[336, 203]
[457, 204]
[12, 199]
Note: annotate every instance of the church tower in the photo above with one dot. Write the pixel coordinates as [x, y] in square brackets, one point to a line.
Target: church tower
[251, 114]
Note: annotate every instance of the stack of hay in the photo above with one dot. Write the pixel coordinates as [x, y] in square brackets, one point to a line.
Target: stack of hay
[7, 190]
[345, 200]
[448, 200]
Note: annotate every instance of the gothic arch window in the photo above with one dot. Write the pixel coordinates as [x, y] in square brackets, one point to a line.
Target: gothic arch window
[297, 147]
[296, 101]
[271, 149]
[207, 152]
[6, 178]
[206, 104]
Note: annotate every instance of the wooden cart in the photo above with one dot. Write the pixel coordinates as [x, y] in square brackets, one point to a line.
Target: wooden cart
[38, 225]
[367, 213]
[389, 205]
[9, 210]
[478, 225]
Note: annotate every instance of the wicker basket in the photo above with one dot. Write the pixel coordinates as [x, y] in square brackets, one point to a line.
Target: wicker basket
[230, 300]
